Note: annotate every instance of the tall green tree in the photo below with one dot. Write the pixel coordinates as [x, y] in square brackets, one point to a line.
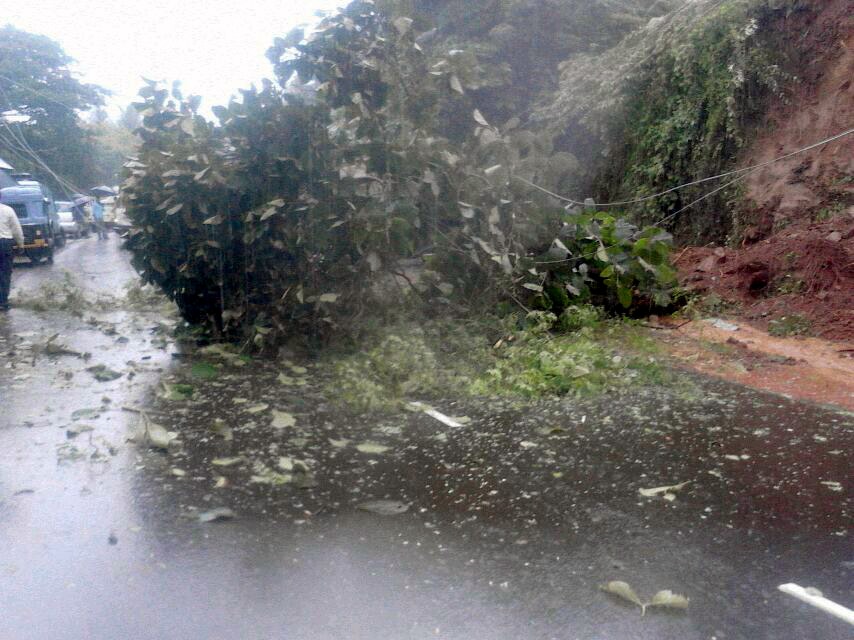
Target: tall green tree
[113, 143]
[37, 85]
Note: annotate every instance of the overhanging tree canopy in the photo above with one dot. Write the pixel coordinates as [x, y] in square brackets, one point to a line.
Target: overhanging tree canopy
[36, 82]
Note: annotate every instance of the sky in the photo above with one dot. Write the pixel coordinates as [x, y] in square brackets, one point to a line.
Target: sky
[214, 47]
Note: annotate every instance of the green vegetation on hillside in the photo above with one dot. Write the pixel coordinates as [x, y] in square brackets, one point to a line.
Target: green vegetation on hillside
[674, 102]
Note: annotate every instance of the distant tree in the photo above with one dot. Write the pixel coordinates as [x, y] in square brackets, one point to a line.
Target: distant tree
[130, 119]
[112, 143]
[36, 82]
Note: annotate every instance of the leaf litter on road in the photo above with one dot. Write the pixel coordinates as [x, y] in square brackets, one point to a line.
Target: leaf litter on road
[300, 471]
[220, 514]
[86, 414]
[204, 371]
[221, 429]
[257, 408]
[227, 462]
[371, 448]
[668, 493]
[102, 373]
[384, 507]
[282, 420]
[156, 435]
[664, 598]
[76, 430]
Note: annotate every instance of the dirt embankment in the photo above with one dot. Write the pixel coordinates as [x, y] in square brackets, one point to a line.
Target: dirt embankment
[798, 281]
[819, 104]
[792, 272]
[795, 264]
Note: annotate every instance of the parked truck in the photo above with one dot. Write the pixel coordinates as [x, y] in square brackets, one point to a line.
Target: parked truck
[35, 208]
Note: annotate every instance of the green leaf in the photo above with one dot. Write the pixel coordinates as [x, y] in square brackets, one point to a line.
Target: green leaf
[371, 447]
[624, 293]
[204, 371]
[282, 420]
[667, 598]
[102, 373]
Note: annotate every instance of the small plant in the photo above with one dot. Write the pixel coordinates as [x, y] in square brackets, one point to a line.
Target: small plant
[828, 213]
[540, 323]
[793, 325]
[780, 224]
[698, 306]
[789, 284]
[578, 317]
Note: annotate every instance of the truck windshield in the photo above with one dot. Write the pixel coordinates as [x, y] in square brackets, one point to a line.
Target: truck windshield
[20, 210]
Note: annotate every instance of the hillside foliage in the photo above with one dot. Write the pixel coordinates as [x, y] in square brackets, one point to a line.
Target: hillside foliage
[675, 101]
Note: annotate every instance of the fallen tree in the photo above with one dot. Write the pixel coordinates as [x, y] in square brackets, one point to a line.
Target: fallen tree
[286, 216]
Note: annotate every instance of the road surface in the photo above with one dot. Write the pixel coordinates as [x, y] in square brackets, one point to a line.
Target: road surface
[502, 528]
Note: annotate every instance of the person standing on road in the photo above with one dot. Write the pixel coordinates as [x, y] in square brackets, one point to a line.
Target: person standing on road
[10, 234]
[98, 217]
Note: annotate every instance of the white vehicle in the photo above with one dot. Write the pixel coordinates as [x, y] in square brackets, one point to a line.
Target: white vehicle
[69, 225]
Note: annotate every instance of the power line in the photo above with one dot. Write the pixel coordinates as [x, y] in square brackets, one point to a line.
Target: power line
[21, 140]
[743, 173]
[745, 170]
[28, 150]
[38, 93]
[656, 224]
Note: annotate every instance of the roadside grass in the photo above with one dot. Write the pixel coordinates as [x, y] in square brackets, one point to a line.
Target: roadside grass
[527, 361]
[791, 325]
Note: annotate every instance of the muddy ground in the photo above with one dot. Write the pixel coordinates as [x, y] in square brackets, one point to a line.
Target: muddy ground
[503, 527]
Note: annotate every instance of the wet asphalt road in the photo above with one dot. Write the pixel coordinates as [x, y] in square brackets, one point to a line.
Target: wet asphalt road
[513, 520]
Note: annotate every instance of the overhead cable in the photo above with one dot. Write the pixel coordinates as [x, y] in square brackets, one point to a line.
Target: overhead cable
[743, 170]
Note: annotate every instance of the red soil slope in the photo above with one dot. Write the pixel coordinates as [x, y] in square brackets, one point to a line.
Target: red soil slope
[798, 256]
